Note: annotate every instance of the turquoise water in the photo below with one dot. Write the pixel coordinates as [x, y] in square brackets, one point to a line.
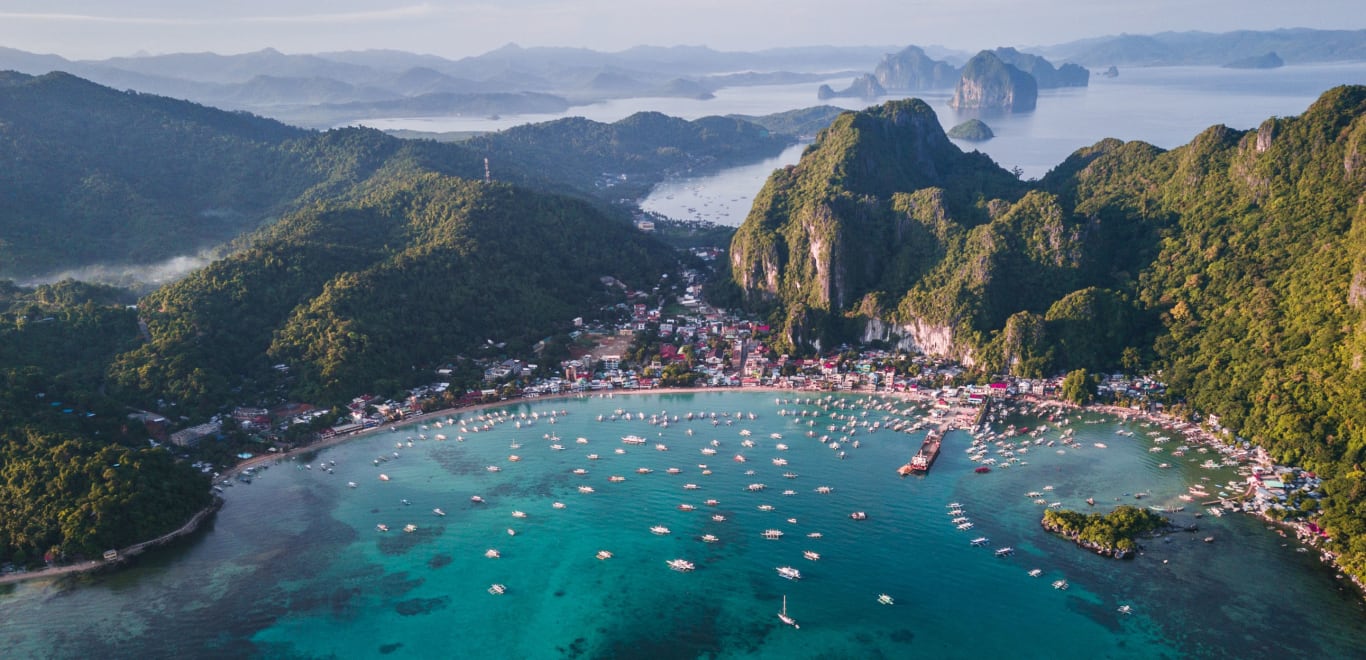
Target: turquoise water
[293, 565]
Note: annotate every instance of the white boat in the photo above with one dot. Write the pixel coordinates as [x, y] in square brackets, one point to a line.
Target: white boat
[813, 535]
[351, 484]
[497, 589]
[518, 514]
[789, 573]
[1005, 552]
[491, 468]
[718, 518]
[1035, 572]
[492, 553]
[681, 565]
[438, 512]
[772, 534]
[824, 490]
[383, 477]
[382, 527]
[885, 599]
[604, 554]
[410, 528]
[659, 530]
[811, 554]
[558, 505]
[782, 615]
[691, 487]
[709, 538]
[1060, 584]
[476, 499]
[980, 541]
[1125, 609]
[765, 507]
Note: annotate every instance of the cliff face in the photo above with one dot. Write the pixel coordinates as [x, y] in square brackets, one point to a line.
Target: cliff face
[912, 70]
[870, 210]
[989, 84]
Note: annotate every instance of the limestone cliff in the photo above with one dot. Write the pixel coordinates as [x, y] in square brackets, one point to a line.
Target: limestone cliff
[912, 70]
[989, 84]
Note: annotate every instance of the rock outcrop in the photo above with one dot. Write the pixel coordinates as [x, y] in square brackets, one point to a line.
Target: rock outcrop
[863, 87]
[911, 70]
[989, 84]
[972, 130]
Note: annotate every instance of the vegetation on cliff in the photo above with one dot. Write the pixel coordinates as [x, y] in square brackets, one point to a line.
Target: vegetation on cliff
[1114, 534]
[1235, 264]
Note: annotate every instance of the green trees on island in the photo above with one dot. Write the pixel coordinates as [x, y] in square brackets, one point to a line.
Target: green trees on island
[1233, 264]
[1114, 533]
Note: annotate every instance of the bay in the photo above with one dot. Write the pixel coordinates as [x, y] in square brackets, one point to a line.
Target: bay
[293, 565]
[1164, 106]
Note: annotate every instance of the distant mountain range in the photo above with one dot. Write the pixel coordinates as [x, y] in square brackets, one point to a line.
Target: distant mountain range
[327, 89]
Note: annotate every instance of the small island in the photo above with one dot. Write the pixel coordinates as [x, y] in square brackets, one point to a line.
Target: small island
[863, 87]
[1113, 534]
[1266, 61]
[991, 85]
[972, 130]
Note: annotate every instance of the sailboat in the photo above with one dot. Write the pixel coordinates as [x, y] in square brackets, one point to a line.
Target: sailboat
[782, 616]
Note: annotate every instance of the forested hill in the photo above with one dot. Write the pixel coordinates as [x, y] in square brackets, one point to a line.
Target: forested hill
[96, 176]
[419, 269]
[1236, 264]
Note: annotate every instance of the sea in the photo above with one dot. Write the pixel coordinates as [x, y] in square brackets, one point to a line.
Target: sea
[1164, 106]
[294, 565]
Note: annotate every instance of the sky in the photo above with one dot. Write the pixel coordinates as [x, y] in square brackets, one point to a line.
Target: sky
[96, 29]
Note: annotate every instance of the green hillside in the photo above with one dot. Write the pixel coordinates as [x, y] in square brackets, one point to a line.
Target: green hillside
[1235, 264]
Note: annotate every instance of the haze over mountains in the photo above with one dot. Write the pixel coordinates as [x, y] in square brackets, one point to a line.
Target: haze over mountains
[325, 89]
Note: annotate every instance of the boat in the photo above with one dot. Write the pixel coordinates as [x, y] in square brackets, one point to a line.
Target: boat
[885, 599]
[980, 541]
[789, 475]
[824, 490]
[858, 515]
[410, 528]
[1125, 609]
[616, 478]
[923, 459]
[492, 553]
[813, 535]
[681, 565]
[438, 512]
[1035, 572]
[351, 484]
[772, 534]
[765, 507]
[691, 487]
[512, 532]
[659, 530]
[643, 470]
[585, 489]
[782, 615]
[718, 518]
[789, 573]
[558, 505]
[811, 554]
[518, 514]
[382, 527]
[1060, 584]
[383, 477]
[708, 538]
[982, 469]
[497, 589]
[604, 554]
[476, 499]
[711, 502]
[1005, 552]
[494, 468]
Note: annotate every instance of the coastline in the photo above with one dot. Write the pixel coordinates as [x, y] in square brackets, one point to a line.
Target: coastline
[959, 417]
